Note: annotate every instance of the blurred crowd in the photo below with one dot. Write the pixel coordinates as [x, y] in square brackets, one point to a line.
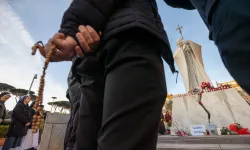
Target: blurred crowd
[20, 135]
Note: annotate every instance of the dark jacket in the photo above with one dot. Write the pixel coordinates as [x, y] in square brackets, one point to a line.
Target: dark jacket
[114, 16]
[204, 7]
[19, 117]
[31, 114]
[74, 96]
[2, 112]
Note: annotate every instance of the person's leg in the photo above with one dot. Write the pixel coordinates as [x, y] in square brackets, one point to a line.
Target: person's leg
[91, 103]
[135, 91]
[8, 143]
[74, 95]
[231, 27]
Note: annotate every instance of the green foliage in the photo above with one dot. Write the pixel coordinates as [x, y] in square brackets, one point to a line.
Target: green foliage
[169, 105]
[61, 104]
[21, 92]
[33, 97]
[6, 87]
[3, 131]
[225, 131]
[64, 104]
[17, 92]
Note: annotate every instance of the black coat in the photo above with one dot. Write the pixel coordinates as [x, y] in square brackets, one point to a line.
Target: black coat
[115, 16]
[74, 96]
[162, 128]
[19, 117]
[31, 113]
[2, 112]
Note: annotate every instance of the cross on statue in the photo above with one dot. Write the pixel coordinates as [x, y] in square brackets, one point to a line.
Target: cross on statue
[179, 28]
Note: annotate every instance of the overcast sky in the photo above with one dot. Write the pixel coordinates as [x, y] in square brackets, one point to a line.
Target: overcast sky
[23, 22]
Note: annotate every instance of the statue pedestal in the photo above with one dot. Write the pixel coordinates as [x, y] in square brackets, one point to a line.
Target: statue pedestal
[227, 142]
[225, 106]
[54, 132]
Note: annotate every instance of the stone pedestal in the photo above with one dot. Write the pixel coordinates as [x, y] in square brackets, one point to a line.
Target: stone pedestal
[54, 131]
[227, 142]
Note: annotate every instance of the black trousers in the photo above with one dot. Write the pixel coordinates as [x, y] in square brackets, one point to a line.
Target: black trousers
[231, 33]
[123, 91]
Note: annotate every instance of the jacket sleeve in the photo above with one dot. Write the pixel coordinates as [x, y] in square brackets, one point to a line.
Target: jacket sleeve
[19, 114]
[1, 111]
[185, 4]
[87, 12]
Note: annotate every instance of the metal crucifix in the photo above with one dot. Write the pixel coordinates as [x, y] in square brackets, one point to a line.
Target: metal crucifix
[179, 28]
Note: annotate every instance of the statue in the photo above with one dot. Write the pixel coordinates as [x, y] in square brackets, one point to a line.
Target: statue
[189, 61]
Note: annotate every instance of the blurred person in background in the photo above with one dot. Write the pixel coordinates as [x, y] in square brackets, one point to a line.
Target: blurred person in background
[19, 122]
[4, 96]
[30, 141]
[162, 128]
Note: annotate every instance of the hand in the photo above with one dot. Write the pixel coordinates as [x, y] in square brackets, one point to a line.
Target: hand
[27, 124]
[65, 47]
[88, 40]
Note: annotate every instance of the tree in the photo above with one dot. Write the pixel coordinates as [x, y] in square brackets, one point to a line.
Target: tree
[33, 97]
[16, 92]
[52, 105]
[6, 87]
[21, 92]
[169, 105]
[63, 105]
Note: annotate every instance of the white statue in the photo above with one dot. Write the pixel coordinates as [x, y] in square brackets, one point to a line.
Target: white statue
[188, 58]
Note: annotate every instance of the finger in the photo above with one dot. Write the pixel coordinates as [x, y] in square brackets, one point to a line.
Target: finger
[100, 33]
[83, 43]
[93, 34]
[59, 56]
[78, 51]
[57, 39]
[86, 35]
[58, 36]
[47, 47]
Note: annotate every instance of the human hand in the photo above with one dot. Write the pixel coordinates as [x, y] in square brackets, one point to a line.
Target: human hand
[65, 47]
[88, 39]
[27, 124]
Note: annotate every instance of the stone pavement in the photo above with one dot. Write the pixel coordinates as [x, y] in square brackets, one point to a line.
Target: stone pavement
[163, 146]
[204, 143]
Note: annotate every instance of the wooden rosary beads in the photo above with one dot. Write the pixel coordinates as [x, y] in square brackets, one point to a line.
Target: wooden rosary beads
[37, 118]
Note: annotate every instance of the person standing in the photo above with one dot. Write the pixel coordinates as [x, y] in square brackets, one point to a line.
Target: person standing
[168, 117]
[74, 96]
[229, 24]
[129, 59]
[30, 141]
[19, 123]
[4, 96]
[162, 128]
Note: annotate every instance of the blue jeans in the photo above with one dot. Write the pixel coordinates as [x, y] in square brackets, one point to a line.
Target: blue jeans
[231, 33]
